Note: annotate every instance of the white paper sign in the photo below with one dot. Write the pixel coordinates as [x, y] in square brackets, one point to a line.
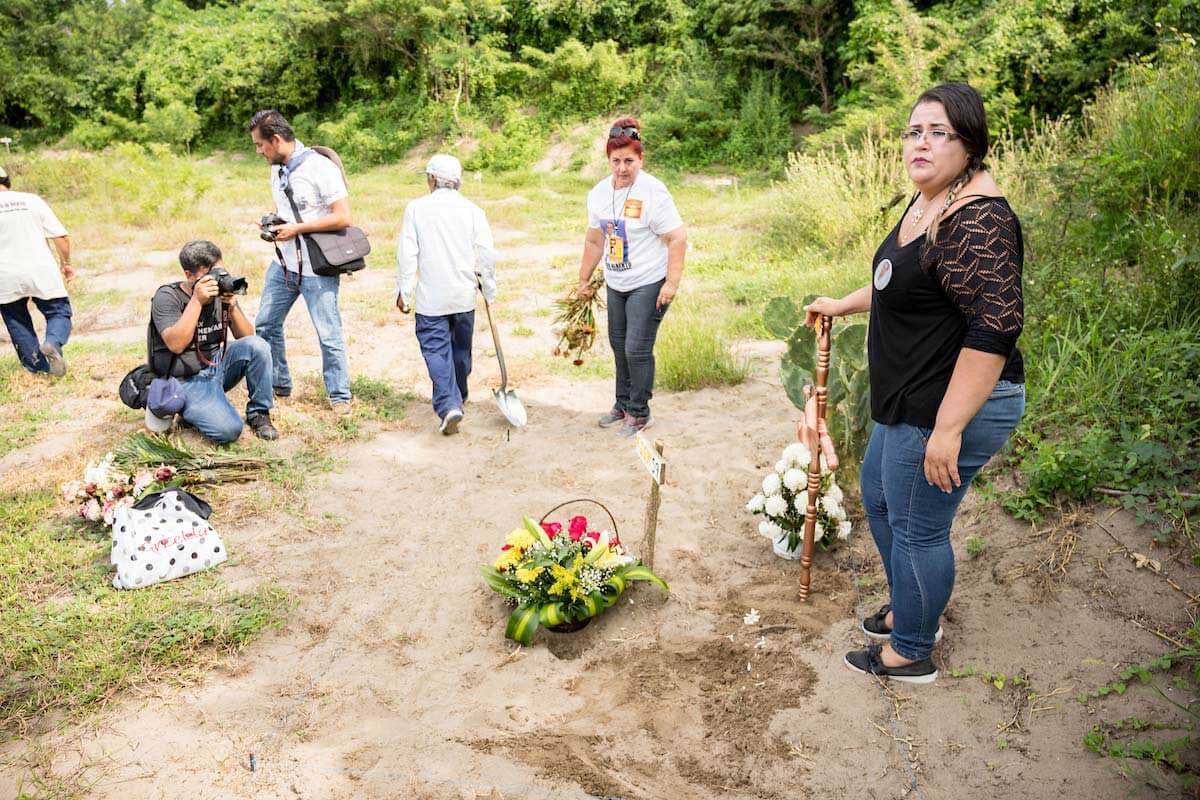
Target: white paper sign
[653, 462]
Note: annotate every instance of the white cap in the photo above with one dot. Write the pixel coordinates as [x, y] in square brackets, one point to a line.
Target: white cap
[158, 424]
[444, 166]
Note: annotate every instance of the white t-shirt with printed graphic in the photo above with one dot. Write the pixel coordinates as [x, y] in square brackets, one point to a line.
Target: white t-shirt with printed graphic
[27, 266]
[632, 220]
[316, 185]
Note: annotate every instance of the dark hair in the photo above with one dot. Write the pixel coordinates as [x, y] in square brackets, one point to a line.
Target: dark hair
[625, 140]
[270, 123]
[964, 109]
[198, 254]
[5, 180]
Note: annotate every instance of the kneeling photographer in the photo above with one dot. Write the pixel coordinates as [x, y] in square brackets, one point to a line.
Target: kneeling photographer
[190, 323]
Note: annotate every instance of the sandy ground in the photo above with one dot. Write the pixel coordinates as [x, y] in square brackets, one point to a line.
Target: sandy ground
[392, 678]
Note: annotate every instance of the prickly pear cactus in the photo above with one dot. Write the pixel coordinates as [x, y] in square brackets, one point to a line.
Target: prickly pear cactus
[849, 403]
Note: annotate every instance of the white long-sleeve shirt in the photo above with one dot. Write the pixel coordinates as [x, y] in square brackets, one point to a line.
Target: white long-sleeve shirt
[444, 237]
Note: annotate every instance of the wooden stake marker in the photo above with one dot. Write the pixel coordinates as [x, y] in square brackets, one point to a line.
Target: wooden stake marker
[656, 465]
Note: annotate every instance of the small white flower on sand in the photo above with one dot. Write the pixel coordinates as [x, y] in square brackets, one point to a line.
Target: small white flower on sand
[794, 479]
[756, 504]
[771, 484]
[767, 528]
[761, 643]
[751, 617]
[844, 529]
[776, 505]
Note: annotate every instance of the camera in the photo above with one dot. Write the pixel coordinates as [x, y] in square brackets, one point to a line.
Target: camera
[228, 284]
[267, 222]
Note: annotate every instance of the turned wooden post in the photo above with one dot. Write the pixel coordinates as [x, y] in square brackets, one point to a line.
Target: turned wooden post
[810, 432]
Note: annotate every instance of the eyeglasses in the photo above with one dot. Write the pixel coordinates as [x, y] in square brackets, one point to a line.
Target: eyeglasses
[631, 132]
[933, 135]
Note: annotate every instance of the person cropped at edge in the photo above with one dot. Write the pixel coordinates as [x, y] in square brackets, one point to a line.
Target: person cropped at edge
[634, 226]
[186, 337]
[947, 380]
[445, 246]
[320, 194]
[28, 271]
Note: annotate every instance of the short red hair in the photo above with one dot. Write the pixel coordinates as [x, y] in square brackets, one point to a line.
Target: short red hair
[625, 140]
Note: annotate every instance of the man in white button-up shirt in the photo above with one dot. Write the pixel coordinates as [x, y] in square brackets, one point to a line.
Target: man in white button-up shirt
[445, 248]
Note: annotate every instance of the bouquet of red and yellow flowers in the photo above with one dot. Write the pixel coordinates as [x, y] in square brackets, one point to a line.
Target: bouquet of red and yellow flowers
[556, 577]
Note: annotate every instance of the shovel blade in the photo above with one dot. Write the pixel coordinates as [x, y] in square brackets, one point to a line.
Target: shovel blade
[511, 407]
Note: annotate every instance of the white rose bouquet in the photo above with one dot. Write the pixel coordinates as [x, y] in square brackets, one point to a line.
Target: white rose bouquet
[784, 497]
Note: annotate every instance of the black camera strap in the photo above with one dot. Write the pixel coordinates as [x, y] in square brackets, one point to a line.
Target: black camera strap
[223, 318]
[286, 182]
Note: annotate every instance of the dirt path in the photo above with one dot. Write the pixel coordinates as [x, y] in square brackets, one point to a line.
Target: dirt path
[392, 678]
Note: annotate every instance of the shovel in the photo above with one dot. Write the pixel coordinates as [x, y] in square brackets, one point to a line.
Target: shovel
[506, 399]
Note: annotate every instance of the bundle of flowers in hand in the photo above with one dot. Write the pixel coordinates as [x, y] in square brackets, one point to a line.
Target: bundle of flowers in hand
[105, 487]
[561, 578]
[576, 320]
[783, 500]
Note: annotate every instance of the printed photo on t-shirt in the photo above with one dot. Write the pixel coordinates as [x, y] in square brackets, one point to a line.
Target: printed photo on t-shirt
[616, 244]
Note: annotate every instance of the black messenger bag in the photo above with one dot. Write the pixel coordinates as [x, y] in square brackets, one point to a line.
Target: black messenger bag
[332, 252]
[337, 252]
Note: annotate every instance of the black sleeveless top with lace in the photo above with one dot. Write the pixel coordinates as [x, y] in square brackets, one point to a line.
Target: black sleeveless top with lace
[927, 304]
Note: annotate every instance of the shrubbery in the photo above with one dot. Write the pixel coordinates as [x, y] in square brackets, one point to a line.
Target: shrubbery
[719, 82]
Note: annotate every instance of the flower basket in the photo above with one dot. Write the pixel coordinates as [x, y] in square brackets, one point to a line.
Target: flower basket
[561, 577]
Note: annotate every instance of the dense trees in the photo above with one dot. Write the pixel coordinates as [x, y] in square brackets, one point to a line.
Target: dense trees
[719, 80]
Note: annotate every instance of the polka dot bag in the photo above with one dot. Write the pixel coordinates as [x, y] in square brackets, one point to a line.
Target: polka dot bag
[162, 542]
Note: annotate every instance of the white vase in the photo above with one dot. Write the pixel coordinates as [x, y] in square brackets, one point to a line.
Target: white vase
[780, 548]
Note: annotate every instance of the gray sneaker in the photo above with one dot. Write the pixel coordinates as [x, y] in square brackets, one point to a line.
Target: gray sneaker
[449, 425]
[634, 424]
[613, 417]
[54, 358]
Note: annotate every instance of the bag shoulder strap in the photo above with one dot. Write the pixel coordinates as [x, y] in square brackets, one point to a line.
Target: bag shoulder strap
[331, 154]
[286, 182]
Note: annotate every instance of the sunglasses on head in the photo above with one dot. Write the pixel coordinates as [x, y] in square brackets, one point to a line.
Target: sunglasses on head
[629, 131]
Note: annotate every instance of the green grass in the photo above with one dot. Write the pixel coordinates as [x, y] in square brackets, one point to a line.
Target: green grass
[69, 641]
[691, 354]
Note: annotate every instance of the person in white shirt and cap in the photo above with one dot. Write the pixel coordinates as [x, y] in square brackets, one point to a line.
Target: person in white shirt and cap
[445, 253]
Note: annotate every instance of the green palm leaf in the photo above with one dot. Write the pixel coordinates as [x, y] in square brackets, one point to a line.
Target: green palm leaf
[500, 583]
[523, 623]
[640, 572]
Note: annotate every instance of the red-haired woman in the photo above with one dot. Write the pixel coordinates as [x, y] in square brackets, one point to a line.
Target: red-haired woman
[634, 226]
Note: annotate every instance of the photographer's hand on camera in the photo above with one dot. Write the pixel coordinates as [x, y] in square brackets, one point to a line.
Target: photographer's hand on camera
[205, 290]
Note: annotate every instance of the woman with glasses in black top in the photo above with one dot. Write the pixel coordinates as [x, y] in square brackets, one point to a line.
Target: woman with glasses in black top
[947, 381]
[634, 227]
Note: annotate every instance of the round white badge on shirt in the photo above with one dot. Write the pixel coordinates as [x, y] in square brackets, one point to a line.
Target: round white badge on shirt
[883, 274]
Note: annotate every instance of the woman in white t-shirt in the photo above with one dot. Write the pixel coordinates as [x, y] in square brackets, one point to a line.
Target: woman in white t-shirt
[634, 226]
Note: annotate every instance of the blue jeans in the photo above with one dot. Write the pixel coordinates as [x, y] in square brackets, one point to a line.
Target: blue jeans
[207, 406]
[632, 328]
[321, 296]
[910, 520]
[446, 345]
[24, 338]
